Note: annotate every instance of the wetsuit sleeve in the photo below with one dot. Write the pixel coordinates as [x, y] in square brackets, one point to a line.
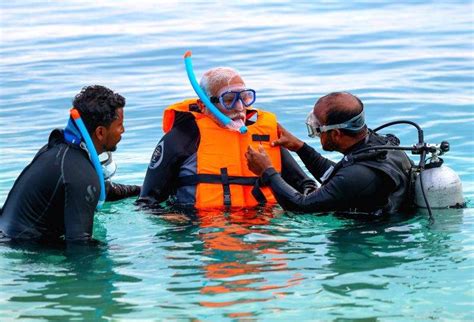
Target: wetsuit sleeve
[314, 161]
[292, 173]
[81, 193]
[117, 191]
[351, 187]
[172, 150]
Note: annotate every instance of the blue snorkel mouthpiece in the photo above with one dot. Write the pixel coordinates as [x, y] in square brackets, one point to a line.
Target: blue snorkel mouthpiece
[92, 152]
[224, 120]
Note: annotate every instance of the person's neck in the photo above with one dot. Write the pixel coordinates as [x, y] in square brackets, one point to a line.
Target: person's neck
[97, 146]
[351, 144]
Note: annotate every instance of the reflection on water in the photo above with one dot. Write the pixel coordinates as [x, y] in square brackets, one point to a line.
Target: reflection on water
[240, 253]
[249, 263]
[246, 264]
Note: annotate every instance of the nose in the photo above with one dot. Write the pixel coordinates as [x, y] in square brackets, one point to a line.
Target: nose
[239, 106]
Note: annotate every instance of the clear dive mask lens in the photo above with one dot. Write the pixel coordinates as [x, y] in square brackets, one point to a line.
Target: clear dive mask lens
[230, 98]
[313, 125]
[109, 167]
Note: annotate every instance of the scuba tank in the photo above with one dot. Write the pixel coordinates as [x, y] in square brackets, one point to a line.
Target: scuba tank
[441, 184]
[435, 184]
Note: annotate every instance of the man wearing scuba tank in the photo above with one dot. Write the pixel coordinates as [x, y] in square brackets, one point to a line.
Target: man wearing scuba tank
[55, 196]
[199, 163]
[373, 182]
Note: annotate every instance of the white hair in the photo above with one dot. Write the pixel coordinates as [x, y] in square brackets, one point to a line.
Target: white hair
[216, 76]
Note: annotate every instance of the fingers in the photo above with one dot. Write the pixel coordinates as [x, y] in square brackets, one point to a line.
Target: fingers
[277, 142]
[250, 152]
[282, 136]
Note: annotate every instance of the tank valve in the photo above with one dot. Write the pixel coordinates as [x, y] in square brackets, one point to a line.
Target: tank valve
[444, 147]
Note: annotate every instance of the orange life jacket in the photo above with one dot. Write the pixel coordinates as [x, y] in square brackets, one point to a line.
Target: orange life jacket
[223, 178]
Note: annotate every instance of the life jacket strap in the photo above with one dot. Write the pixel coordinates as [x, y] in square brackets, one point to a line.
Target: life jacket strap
[225, 180]
[226, 187]
[195, 179]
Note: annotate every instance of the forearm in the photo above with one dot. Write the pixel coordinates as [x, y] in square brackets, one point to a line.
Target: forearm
[291, 199]
[117, 191]
[294, 175]
[314, 161]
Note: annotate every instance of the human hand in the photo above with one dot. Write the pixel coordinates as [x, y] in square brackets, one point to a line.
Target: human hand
[287, 140]
[257, 161]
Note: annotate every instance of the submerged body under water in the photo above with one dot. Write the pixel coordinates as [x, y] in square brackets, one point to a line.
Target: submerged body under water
[248, 264]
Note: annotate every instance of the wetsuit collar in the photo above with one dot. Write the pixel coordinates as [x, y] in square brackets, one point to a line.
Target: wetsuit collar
[72, 134]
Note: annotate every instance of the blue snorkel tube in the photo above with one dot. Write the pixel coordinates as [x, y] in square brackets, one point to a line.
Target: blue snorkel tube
[93, 154]
[226, 121]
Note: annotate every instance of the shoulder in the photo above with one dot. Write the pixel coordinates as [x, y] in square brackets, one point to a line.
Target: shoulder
[183, 118]
[75, 162]
[181, 140]
[184, 129]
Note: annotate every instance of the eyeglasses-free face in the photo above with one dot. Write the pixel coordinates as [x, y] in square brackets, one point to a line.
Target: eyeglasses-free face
[228, 99]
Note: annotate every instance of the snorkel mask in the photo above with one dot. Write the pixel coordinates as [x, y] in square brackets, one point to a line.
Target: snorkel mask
[315, 128]
[109, 167]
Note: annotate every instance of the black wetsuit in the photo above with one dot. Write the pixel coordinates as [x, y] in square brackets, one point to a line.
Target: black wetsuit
[377, 184]
[176, 152]
[55, 196]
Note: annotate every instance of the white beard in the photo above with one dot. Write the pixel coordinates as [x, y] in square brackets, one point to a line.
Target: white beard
[236, 125]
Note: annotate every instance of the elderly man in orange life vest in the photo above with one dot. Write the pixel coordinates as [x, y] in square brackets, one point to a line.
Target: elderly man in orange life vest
[200, 164]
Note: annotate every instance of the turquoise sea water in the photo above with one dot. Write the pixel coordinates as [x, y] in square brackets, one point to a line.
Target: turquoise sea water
[406, 60]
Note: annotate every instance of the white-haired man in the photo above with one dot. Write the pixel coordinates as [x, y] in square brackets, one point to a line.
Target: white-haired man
[201, 164]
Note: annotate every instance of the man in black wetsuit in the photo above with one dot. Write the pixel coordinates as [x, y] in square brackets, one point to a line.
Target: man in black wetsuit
[55, 196]
[370, 182]
[200, 164]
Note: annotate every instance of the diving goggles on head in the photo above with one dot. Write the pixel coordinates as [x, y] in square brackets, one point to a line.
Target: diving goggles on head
[228, 99]
[315, 128]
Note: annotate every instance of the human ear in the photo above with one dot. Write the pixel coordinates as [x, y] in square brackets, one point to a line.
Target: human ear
[336, 135]
[100, 133]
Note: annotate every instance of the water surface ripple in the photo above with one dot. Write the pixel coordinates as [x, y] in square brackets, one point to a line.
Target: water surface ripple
[407, 60]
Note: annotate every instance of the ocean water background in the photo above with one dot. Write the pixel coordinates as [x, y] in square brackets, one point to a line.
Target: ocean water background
[406, 60]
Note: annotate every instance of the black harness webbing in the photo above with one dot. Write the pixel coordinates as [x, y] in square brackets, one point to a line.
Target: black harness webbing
[226, 187]
[226, 181]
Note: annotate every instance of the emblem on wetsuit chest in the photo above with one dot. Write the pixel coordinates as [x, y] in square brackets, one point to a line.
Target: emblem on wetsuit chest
[157, 156]
[90, 193]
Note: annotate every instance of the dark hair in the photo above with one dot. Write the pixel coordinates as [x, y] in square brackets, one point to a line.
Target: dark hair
[337, 114]
[97, 106]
